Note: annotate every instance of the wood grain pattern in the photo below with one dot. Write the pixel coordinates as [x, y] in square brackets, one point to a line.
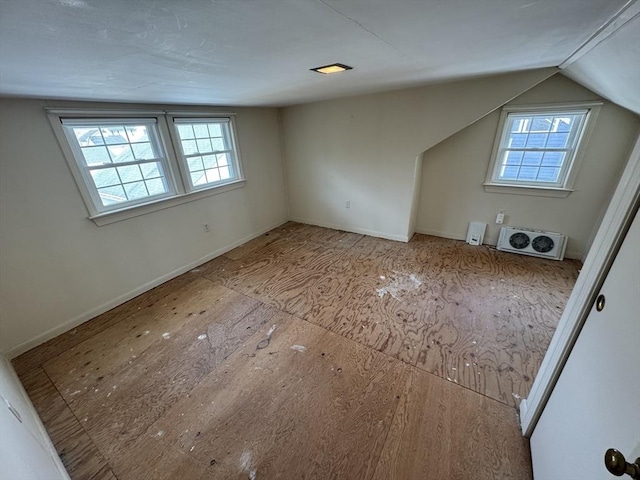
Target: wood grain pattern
[309, 353]
[441, 431]
[253, 415]
[117, 405]
[61, 343]
[104, 474]
[252, 246]
[78, 453]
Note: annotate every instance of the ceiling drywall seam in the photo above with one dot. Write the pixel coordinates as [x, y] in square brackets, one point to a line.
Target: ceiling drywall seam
[609, 64]
[617, 21]
[369, 31]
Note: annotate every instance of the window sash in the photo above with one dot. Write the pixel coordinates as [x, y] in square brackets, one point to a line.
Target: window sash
[154, 138]
[108, 121]
[575, 134]
[170, 175]
[562, 174]
[231, 151]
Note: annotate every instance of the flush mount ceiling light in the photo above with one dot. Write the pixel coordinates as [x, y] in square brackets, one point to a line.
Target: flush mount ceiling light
[333, 68]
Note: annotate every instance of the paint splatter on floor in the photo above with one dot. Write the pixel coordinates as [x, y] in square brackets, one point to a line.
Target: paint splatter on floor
[265, 342]
[299, 348]
[246, 464]
[400, 283]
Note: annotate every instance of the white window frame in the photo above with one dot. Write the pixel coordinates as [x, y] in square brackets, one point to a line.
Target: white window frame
[179, 187]
[571, 165]
[152, 122]
[174, 118]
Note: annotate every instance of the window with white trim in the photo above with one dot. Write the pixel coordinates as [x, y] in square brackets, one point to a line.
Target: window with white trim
[128, 163]
[206, 148]
[539, 147]
[121, 160]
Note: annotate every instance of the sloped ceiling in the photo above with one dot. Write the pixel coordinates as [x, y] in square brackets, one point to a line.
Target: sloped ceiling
[244, 52]
[612, 68]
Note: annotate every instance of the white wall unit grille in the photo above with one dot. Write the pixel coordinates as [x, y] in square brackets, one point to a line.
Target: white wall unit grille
[537, 243]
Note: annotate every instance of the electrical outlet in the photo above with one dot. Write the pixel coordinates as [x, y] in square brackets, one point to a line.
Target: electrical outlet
[347, 204]
[500, 216]
[205, 227]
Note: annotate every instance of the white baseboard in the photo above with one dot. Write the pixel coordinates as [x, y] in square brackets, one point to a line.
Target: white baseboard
[94, 312]
[574, 255]
[88, 315]
[346, 228]
[523, 409]
[438, 233]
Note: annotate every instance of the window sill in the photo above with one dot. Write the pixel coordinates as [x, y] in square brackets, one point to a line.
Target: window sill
[527, 190]
[126, 213]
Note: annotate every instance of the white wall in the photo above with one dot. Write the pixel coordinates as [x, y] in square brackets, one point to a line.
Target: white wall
[363, 149]
[26, 452]
[57, 268]
[452, 195]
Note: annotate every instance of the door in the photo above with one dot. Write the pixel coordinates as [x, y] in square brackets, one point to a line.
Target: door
[25, 451]
[596, 403]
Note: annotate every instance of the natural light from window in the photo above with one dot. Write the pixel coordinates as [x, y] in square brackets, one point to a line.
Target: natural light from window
[207, 148]
[122, 161]
[536, 148]
[129, 163]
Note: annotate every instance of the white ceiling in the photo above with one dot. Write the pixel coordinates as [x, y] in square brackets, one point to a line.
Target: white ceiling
[612, 68]
[243, 52]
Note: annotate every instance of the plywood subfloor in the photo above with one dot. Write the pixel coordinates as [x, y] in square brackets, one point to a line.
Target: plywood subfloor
[308, 353]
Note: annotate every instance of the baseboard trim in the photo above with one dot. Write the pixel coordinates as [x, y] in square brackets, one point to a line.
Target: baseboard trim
[574, 255]
[523, 410]
[88, 315]
[363, 231]
[438, 233]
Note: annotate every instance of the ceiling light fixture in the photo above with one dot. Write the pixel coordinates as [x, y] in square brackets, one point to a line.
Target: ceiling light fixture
[333, 68]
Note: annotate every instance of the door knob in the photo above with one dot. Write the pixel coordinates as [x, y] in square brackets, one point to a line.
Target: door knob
[618, 465]
[600, 303]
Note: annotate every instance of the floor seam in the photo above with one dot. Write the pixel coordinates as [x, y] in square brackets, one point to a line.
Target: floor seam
[393, 417]
[354, 341]
[410, 365]
[118, 321]
[391, 356]
[104, 457]
[383, 353]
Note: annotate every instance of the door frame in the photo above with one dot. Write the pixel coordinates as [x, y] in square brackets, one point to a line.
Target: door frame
[613, 228]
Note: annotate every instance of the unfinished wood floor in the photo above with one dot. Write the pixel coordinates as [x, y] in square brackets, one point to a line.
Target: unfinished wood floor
[308, 353]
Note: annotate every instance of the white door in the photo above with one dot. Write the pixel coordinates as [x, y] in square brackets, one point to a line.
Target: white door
[26, 452]
[596, 403]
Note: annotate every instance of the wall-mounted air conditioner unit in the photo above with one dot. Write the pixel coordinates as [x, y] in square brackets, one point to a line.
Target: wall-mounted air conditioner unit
[532, 242]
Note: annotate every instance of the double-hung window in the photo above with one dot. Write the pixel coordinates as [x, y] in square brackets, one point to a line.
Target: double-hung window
[538, 149]
[206, 145]
[121, 160]
[127, 164]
